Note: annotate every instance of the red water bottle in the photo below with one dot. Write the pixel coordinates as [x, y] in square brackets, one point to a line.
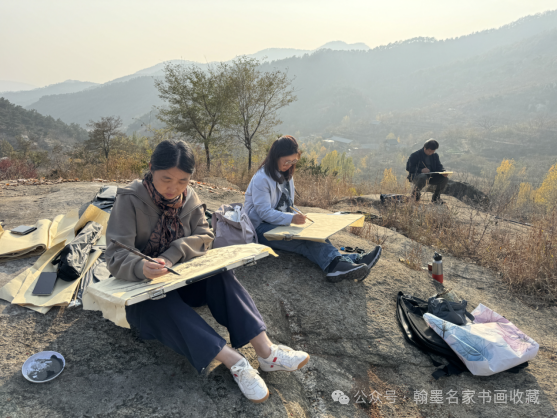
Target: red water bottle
[437, 269]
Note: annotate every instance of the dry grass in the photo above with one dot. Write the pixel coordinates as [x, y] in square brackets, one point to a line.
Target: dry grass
[526, 262]
[370, 232]
[525, 258]
[413, 257]
[119, 167]
[321, 191]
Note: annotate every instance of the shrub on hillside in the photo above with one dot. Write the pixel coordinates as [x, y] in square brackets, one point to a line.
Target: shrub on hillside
[17, 169]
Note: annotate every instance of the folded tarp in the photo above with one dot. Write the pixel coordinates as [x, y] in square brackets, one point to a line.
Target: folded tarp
[319, 229]
[48, 234]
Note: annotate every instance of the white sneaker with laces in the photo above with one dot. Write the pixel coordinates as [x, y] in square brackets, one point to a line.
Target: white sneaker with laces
[283, 358]
[249, 381]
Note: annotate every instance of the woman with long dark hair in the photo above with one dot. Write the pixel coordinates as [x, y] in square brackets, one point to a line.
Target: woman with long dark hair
[268, 203]
[165, 219]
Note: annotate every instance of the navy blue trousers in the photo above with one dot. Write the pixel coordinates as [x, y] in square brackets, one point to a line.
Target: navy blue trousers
[173, 322]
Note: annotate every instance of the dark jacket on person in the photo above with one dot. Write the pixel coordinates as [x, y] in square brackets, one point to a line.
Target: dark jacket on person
[133, 218]
[416, 163]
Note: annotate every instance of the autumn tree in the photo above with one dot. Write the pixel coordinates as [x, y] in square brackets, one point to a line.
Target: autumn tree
[256, 97]
[197, 103]
[339, 164]
[546, 193]
[6, 149]
[104, 135]
[25, 146]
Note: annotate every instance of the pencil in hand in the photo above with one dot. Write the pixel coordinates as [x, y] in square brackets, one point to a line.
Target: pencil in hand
[135, 252]
[300, 212]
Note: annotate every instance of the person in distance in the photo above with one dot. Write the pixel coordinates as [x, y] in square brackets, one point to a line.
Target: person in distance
[164, 218]
[268, 202]
[420, 166]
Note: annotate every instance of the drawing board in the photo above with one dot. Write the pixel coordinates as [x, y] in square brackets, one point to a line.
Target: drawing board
[322, 227]
[111, 296]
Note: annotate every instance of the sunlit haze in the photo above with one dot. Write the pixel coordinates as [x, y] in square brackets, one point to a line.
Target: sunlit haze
[45, 42]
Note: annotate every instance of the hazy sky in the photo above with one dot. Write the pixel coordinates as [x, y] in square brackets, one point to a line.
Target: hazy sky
[49, 41]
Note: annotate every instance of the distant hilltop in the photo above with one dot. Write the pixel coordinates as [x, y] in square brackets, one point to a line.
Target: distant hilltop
[274, 54]
[26, 97]
[15, 86]
[343, 46]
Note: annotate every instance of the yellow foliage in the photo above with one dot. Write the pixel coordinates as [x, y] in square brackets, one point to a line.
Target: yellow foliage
[363, 162]
[504, 172]
[506, 168]
[341, 164]
[525, 194]
[389, 181]
[546, 194]
[330, 161]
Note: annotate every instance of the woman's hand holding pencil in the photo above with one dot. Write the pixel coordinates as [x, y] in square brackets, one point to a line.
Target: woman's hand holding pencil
[303, 217]
[152, 268]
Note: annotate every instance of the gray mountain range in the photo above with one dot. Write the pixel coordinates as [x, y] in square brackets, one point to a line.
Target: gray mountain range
[27, 97]
[338, 79]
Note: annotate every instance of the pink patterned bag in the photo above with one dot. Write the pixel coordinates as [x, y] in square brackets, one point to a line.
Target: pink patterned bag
[489, 345]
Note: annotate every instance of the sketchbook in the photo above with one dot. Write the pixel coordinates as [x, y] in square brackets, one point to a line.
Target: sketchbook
[111, 296]
[322, 227]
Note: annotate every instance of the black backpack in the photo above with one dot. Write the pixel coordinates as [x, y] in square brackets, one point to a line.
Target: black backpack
[73, 258]
[419, 334]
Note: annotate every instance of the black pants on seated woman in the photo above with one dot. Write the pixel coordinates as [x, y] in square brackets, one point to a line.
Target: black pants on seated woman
[165, 219]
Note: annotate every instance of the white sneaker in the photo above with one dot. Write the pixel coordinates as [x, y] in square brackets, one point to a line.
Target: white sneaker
[283, 358]
[249, 381]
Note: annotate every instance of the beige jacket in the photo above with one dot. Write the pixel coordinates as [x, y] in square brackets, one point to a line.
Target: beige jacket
[134, 217]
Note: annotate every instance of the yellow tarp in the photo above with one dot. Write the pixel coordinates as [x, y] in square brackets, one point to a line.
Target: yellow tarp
[112, 295]
[63, 291]
[93, 213]
[14, 246]
[48, 234]
[319, 229]
[61, 231]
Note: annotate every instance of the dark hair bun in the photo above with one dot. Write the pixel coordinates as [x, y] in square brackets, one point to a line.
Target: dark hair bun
[173, 153]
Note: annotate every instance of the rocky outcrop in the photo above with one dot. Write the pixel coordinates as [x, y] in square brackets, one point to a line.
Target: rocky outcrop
[349, 329]
[464, 192]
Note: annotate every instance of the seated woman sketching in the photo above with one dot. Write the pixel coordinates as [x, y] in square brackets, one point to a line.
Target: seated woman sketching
[165, 219]
[268, 203]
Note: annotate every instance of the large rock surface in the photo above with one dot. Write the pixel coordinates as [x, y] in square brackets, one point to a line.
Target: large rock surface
[349, 329]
